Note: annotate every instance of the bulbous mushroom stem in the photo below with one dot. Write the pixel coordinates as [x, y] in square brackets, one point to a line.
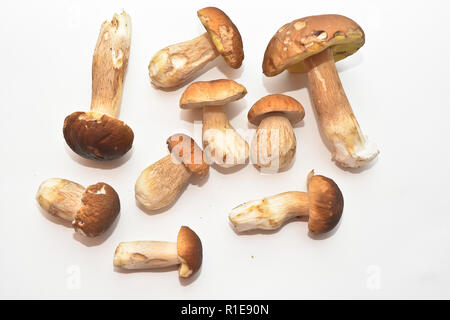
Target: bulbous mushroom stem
[335, 115]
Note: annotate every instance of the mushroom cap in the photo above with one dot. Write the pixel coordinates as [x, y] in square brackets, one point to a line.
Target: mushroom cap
[190, 252]
[224, 35]
[100, 207]
[189, 153]
[97, 136]
[308, 36]
[280, 103]
[325, 204]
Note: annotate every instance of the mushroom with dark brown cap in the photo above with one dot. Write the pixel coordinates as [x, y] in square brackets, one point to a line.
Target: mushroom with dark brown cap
[274, 143]
[161, 183]
[222, 144]
[322, 205]
[91, 210]
[175, 64]
[98, 134]
[313, 45]
[187, 252]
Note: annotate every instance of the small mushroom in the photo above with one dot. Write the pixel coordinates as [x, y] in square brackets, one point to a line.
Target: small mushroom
[274, 143]
[222, 144]
[175, 64]
[161, 183]
[313, 45]
[322, 205]
[186, 252]
[91, 210]
[98, 134]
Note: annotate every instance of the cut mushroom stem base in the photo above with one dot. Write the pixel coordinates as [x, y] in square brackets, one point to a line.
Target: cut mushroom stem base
[146, 255]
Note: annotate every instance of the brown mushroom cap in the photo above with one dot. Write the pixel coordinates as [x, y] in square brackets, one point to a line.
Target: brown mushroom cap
[224, 35]
[325, 204]
[190, 252]
[308, 36]
[211, 93]
[279, 103]
[97, 136]
[100, 207]
[189, 153]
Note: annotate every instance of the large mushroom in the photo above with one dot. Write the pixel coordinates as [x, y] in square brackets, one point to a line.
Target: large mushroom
[313, 45]
[322, 205]
[98, 134]
[222, 144]
[187, 252]
[175, 64]
[91, 210]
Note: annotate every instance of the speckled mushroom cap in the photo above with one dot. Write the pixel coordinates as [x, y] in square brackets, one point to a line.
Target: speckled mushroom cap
[189, 153]
[224, 35]
[189, 251]
[276, 103]
[97, 136]
[325, 204]
[308, 36]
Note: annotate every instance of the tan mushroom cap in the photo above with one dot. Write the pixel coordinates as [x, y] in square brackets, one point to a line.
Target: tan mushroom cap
[211, 93]
[190, 252]
[276, 103]
[97, 136]
[308, 36]
[189, 153]
[224, 35]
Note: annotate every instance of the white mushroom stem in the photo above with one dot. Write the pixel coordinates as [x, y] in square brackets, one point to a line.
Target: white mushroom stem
[146, 255]
[270, 213]
[335, 115]
[175, 64]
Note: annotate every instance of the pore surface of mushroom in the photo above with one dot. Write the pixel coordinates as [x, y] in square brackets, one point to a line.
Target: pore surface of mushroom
[187, 252]
[91, 210]
[173, 65]
[313, 45]
[322, 205]
[98, 134]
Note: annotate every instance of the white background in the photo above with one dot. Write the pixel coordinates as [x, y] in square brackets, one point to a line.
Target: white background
[394, 238]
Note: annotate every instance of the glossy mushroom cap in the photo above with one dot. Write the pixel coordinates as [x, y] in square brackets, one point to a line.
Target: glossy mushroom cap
[97, 136]
[224, 35]
[190, 252]
[189, 153]
[308, 36]
[276, 103]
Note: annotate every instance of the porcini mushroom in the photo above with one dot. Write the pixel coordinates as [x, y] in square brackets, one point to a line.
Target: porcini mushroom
[313, 45]
[161, 183]
[274, 143]
[221, 142]
[322, 205]
[175, 64]
[98, 134]
[186, 252]
[91, 210]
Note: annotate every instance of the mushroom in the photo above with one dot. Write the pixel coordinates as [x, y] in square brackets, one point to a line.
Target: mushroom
[322, 205]
[313, 45]
[161, 183]
[175, 64]
[221, 142]
[274, 143]
[186, 252]
[98, 134]
[91, 210]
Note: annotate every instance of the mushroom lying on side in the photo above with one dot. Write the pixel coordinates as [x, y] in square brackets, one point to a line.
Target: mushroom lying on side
[98, 134]
[222, 144]
[161, 183]
[274, 143]
[312, 45]
[186, 252]
[323, 205]
[175, 64]
[91, 210]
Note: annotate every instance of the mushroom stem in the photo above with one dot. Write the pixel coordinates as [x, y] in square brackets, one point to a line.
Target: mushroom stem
[335, 115]
[271, 212]
[176, 63]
